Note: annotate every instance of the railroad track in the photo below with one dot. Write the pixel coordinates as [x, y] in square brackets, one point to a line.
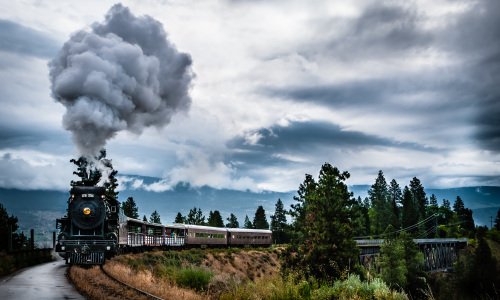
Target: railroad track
[95, 283]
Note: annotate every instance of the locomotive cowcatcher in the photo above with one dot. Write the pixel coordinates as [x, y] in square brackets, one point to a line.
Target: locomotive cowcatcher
[89, 232]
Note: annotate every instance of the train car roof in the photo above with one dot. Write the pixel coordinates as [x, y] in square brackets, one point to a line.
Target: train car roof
[129, 219]
[206, 227]
[249, 230]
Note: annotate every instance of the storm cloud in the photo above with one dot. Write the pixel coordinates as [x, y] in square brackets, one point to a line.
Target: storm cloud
[122, 75]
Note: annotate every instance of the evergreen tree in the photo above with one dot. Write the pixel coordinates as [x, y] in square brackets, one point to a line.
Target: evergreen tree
[233, 222]
[392, 261]
[260, 219]
[180, 219]
[144, 218]
[416, 284]
[497, 221]
[155, 218]
[433, 205]
[419, 197]
[248, 224]
[215, 219]
[325, 248]
[361, 219]
[458, 206]
[298, 211]
[395, 198]
[409, 215]
[195, 217]
[90, 174]
[278, 223]
[5, 221]
[130, 208]
[378, 196]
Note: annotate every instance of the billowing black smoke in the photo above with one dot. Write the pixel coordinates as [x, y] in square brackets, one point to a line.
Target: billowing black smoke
[123, 75]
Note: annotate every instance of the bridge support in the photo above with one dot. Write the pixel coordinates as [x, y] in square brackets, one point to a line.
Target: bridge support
[439, 254]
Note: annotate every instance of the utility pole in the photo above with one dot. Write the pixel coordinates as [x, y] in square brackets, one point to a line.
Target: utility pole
[491, 222]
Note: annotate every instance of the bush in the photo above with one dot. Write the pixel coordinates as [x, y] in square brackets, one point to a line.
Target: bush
[353, 287]
[197, 279]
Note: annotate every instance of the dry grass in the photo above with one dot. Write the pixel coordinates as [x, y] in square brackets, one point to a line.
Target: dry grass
[250, 264]
[95, 285]
[233, 271]
[144, 280]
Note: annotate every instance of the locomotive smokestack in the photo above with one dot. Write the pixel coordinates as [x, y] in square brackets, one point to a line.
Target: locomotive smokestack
[122, 75]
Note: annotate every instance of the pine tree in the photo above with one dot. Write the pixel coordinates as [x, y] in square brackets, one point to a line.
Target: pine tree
[248, 224]
[299, 210]
[497, 221]
[382, 209]
[155, 218]
[433, 205]
[195, 217]
[395, 198]
[130, 208]
[419, 197]
[392, 261]
[233, 222]
[278, 223]
[90, 174]
[409, 215]
[145, 219]
[180, 219]
[215, 219]
[5, 221]
[260, 219]
[458, 206]
[325, 247]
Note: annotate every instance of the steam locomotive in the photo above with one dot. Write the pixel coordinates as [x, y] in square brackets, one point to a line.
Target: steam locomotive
[89, 233]
[95, 229]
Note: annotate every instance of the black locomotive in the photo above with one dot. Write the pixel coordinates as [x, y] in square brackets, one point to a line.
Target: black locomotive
[88, 235]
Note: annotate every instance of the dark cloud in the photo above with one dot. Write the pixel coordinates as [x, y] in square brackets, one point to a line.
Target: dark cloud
[305, 138]
[26, 41]
[395, 31]
[476, 38]
[123, 75]
[32, 137]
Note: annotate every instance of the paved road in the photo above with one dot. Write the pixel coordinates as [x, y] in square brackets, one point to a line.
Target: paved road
[45, 281]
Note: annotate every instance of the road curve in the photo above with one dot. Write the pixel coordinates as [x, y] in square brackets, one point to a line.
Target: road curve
[45, 281]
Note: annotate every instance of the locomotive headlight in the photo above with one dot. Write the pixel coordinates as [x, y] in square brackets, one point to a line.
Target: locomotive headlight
[86, 211]
[63, 248]
[108, 248]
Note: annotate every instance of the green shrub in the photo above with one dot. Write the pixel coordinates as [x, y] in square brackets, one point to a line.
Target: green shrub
[197, 279]
[353, 287]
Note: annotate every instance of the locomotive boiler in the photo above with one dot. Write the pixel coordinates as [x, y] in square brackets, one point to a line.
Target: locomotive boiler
[88, 234]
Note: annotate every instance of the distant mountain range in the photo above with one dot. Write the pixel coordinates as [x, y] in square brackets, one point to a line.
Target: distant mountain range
[39, 209]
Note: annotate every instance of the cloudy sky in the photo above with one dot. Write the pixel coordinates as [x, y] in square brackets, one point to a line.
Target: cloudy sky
[275, 89]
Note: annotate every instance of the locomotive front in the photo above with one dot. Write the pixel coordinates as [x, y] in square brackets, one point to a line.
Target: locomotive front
[89, 232]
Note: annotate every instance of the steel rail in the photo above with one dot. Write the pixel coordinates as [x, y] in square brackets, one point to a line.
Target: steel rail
[129, 286]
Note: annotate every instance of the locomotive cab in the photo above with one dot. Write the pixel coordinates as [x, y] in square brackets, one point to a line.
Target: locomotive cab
[88, 235]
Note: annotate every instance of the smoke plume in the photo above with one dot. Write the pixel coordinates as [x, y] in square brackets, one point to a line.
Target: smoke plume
[123, 75]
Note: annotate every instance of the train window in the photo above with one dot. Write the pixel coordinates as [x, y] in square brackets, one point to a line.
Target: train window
[113, 208]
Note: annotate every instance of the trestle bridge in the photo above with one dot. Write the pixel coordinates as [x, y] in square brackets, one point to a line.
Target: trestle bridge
[439, 254]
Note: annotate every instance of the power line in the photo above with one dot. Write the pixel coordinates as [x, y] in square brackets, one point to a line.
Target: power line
[428, 219]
